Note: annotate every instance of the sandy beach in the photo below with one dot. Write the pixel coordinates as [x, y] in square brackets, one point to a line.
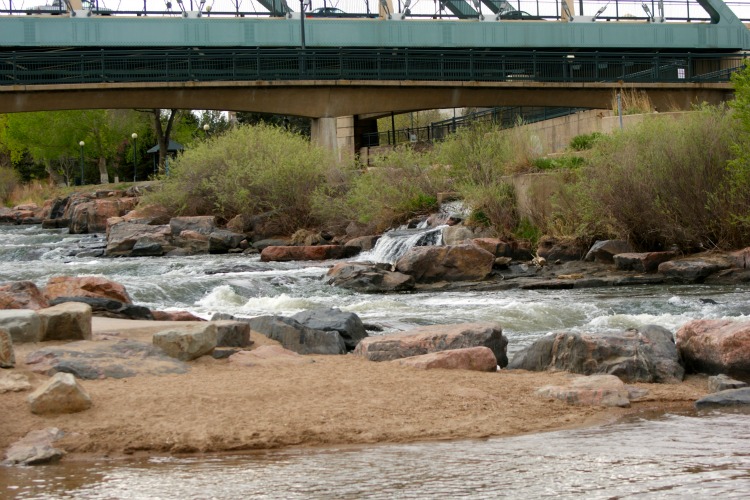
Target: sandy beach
[334, 400]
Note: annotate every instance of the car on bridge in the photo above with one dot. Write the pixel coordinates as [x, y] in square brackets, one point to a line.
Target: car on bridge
[333, 12]
[518, 15]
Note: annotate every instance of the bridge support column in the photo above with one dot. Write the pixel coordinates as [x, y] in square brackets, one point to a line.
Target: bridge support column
[336, 134]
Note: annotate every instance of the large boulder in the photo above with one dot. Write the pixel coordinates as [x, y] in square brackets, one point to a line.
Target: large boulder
[646, 262]
[67, 321]
[21, 295]
[480, 359]
[366, 277]
[594, 390]
[222, 241]
[427, 339]
[456, 235]
[695, 268]
[731, 397]
[85, 286]
[23, 325]
[296, 337]
[363, 243]
[36, 448]
[203, 224]
[7, 354]
[316, 252]
[60, 394]
[189, 342]
[123, 236]
[646, 354]
[92, 360]
[347, 324]
[91, 216]
[716, 346]
[446, 263]
[232, 334]
[603, 251]
[109, 308]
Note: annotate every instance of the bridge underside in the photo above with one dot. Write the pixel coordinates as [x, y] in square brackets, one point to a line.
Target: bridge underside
[317, 99]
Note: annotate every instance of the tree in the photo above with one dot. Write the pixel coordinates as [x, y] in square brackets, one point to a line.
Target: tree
[296, 124]
[163, 122]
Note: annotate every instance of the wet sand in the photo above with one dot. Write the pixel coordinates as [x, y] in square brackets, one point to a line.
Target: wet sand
[335, 400]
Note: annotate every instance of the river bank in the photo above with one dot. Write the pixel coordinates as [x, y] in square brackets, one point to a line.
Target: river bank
[334, 400]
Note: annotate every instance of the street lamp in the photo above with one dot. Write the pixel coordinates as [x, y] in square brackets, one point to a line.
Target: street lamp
[135, 149]
[206, 128]
[82, 144]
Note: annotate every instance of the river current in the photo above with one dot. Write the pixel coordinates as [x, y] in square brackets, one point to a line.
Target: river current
[668, 456]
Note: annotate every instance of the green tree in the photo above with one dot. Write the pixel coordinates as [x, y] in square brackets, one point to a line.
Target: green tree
[296, 124]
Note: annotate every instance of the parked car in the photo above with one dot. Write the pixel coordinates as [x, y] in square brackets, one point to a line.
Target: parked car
[519, 15]
[336, 13]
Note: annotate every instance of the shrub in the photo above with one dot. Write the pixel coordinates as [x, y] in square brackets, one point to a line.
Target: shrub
[584, 141]
[248, 170]
[492, 205]
[9, 180]
[562, 162]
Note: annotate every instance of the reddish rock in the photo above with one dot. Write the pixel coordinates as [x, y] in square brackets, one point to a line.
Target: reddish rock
[495, 246]
[21, 295]
[716, 346]
[123, 236]
[317, 252]
[741, 258]
[594, 390]
[85, 286]
[480, 359]
[204, 224]
[446, 263]
[435, 338]
[152, 215]
[91, 216]
[647, 262]
[175, 316]
[366, 277]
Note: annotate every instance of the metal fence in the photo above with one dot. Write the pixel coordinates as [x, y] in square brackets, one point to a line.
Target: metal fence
[31, 67]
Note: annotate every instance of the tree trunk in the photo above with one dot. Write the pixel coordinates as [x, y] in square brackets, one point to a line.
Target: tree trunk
[103, 175]
[162, 134]
[54, 175]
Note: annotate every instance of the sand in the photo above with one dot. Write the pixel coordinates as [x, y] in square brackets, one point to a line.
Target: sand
[335, 400]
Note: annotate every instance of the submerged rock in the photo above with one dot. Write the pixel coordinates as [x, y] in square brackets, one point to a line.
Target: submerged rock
[366, 277]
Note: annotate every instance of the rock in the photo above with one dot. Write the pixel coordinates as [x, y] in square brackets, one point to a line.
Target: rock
[35, 448]
[232, 334]
[647, 262]
[496, 247]
[151, 215]
[564, 250]
[176, 316]
[60, 394]
[85, 286]
[369, 278]
[715, 346]
[721, 382]
[270, 242]
[241, 224]
[7, 354]
[123, 236]
[224, 352]
[268, 355]
[13, 382]
[305, 237]
[427, 339]
[347, 324]
[191, 243]
[363, 243]
[603, 251]
[151, 246]
[446, 263]
[696, 268]
[109, 308]
[23, 325]
[91, 360]
[456, 235]
[317, 252]
[646, 354]
[594, 390]
[66, 321]
[222, 241]
[203, 224]
[187, 343]
[297, 337]
[731, 397]
[21, 295]
[480, 359]
[91, 216]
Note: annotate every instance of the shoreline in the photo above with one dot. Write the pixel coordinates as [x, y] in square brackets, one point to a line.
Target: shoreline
[218, 407]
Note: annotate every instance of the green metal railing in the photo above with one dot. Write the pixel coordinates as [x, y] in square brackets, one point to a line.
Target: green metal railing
[32, 67]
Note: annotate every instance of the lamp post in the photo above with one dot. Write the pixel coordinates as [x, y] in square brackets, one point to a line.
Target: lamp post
[81, 144]
[135, 150]
[206, 128]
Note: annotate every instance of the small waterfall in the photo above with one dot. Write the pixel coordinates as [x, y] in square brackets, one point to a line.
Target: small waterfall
[393, 244]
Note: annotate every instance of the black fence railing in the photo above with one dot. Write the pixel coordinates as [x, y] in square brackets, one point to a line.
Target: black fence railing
[504, 117]
[73, 66]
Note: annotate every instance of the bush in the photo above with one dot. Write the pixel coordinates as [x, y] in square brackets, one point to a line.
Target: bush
[584, 141]
[492, 205]
[660, 184]
[562, 162]
[250, 171]
[9, 180]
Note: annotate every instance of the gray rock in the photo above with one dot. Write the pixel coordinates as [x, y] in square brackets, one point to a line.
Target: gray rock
[719, 383]
[603, 251]
[67, 321]
[35, 448]
[298, 338]
[455, 235]
[429, 264]
[369, 278]
[731, 397]
[123, 236]
[60, 394]
[646, 354]
[435, 338]
[347, 324]
[7, 354]
[109, 308]
[224, 353]
[694, 269]
[91, 360]
[222, 241]
[150, 246]
[13, 382]
[204, 224]
[22, 324]
[594, 390]
[232, 333]
[220, 316]
[189, 342]
[647, 262]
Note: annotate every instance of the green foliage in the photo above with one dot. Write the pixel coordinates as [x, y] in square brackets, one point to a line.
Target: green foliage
[584, 141]
[526, 230]
[9, 180]
[251, 171]
[559, 163]
[662, 183]
[295, 124]
[493, 205]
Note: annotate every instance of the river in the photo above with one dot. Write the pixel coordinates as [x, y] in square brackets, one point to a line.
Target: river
[669, 456]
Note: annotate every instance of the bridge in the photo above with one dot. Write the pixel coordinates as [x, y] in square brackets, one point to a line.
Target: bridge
[326, 68]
